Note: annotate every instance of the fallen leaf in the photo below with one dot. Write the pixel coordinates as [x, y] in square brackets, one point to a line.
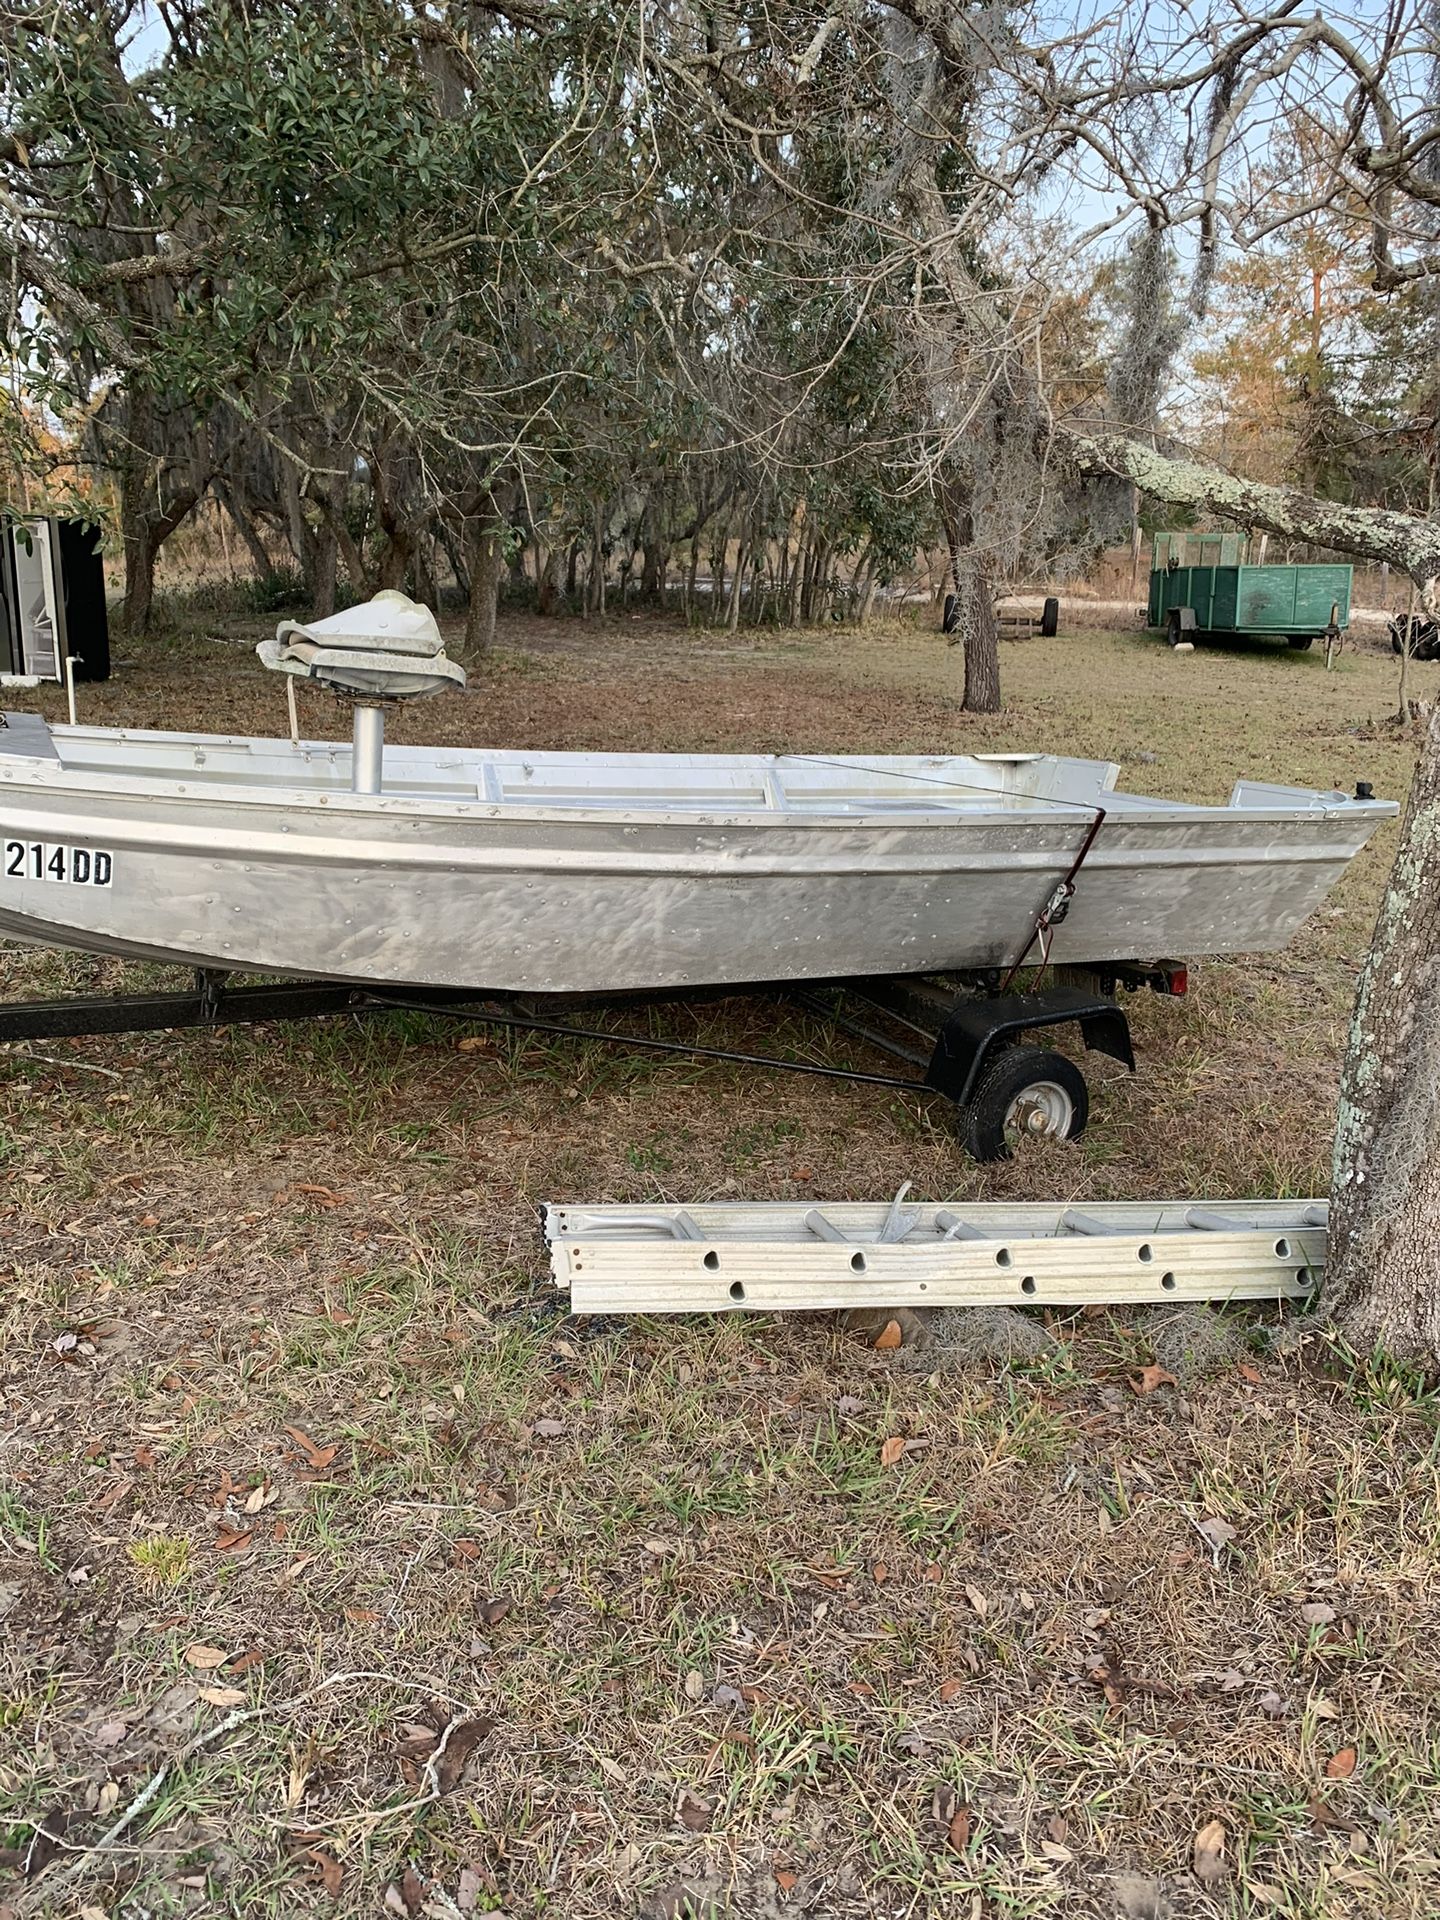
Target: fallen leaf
[889, 1337]
[1323, 1817]
[205, 1659]
[949, 1689]
[1341, 1765]
[548, 1429]
[412, 1890]
[879, 1573]
[785, 1879]
[45, 1842]
[957, 1834]
[145, 1457]
[256, 1499]
[658, 1547]
[1148, 1379]
[326, 1196]
[1209, 1855]
[233, 1539]
[468, 1890]
[1217, 1531]
[694, 1684]
[242, 1663]
[222, 1696]
[316, 1457]
[362, 1616]
[465, 1549]
[977, 1601]
[893, 1450]
[492, 1612]
[1317, 1613]
[464, 1737]
[1252, 1374]
[328, 1869]
[693, 1812]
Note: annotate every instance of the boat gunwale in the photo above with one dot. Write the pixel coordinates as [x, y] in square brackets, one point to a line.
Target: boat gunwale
[1120, 808]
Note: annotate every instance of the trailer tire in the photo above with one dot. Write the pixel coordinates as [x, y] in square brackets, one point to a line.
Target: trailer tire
[1024, 1093]
[1050, 619]
[1301, 642]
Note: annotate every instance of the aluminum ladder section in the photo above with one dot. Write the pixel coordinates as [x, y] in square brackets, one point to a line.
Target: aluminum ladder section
[718, 1258]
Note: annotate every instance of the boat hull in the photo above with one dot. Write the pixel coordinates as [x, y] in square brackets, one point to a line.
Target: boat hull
[371, 889]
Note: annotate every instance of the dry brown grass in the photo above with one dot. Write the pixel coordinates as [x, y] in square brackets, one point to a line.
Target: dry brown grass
[1011, 1677]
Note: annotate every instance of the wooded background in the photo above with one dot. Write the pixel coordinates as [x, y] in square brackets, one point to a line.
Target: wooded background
[749, 303]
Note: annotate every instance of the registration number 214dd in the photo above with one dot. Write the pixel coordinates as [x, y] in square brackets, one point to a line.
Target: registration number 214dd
[36, 860]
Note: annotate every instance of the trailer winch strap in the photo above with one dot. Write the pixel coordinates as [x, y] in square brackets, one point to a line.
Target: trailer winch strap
[1056, 907]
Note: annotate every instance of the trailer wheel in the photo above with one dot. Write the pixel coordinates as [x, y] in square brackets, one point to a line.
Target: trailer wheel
[1050, 618]
[1025, 1093]
[1301, 642]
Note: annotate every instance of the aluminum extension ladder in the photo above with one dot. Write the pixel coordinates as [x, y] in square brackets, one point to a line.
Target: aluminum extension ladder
[716, 1258]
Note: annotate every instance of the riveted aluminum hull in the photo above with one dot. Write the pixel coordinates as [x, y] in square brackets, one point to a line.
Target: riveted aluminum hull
[576, 873]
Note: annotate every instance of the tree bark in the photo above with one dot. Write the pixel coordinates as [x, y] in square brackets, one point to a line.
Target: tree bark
[1382, 1272]
[981, 637]
[485, 567]
[550, 589]
[260, 560]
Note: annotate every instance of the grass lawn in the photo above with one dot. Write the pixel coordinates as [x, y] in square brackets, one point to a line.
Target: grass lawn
[413, 1596]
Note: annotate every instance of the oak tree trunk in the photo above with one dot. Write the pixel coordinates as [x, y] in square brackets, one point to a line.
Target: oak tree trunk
[485, 568]
[981, 637]
[1382, 1274]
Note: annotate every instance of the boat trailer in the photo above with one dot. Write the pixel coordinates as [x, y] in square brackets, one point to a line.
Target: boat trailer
[958, 1036]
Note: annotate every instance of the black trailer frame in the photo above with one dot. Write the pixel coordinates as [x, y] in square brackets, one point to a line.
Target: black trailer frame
[950, 1031]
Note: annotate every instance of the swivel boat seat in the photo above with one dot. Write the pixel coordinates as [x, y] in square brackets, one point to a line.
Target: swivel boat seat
[386, 649]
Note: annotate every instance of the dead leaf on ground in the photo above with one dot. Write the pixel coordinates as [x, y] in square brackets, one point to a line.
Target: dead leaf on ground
[1317, 1613]
[1341, 1765]
[1218, 1532]
[417, 1747]
[45, 1842]
[327, 1869]
[548, 1429]
[977, 1601]
[323, 1196]
[693, 1812]
[233, 1539]
[492, 1612]
[1209, 1855]
[1322, 1817]
[222, 1696]
[316, 1457]
[893, 1450]
[785, 1879]
[949, 1689]
[1149, 1379]
[205, 1659]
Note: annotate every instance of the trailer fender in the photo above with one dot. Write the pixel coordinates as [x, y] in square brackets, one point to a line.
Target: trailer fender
[974, 1030]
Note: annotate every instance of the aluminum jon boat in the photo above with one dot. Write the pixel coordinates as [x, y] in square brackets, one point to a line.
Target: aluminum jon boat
[592, 872]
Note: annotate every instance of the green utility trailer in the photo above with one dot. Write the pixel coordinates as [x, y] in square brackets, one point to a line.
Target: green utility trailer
[1202, 583]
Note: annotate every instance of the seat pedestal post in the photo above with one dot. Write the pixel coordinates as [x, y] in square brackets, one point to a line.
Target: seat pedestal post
[368, 754]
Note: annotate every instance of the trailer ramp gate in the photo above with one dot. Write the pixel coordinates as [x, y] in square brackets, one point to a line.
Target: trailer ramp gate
[722, 1258]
